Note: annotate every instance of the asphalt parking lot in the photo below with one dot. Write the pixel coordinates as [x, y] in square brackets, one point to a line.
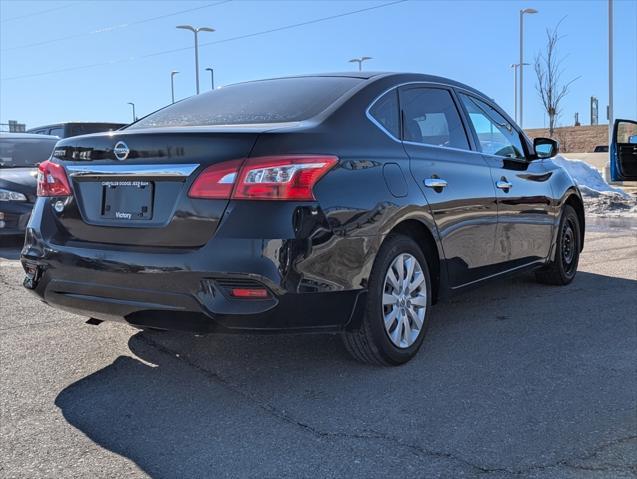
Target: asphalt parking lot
[515, 379]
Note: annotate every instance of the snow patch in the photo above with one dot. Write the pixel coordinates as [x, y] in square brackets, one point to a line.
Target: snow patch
[600, 199]
[588, 178]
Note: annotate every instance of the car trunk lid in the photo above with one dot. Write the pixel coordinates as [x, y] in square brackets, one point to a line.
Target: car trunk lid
[132, 188]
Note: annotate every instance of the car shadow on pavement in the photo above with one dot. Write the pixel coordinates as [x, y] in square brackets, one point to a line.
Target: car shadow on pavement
[512, 377]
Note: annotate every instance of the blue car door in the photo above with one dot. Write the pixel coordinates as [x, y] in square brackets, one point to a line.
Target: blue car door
[623, 151]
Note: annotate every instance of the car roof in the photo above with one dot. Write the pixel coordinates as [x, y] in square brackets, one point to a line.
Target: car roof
[26, 136]
[422, 77]
[361, 75]
[400, 77]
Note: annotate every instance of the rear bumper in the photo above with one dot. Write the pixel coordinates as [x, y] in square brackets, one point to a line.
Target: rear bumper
[306, 312]
[184, 290]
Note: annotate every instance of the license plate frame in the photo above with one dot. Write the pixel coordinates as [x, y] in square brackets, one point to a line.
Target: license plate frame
[127, 200]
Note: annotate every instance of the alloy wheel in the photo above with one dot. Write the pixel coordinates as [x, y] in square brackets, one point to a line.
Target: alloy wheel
[404, 300]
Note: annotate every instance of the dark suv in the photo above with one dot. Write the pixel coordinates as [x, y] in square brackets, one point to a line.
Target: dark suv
[66, 130]
[344, 203]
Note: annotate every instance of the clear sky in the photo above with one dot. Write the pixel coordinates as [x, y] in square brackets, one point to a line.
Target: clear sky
[84, 60]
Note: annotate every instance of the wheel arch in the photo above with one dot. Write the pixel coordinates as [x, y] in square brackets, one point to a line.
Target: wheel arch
[420, 233]
[574, 200]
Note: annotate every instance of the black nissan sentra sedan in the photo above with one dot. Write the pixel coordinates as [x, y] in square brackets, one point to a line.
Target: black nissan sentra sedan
[344, 203]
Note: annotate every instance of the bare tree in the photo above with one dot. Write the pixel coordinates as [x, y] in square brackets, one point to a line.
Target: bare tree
[561, 136]
[549, 71]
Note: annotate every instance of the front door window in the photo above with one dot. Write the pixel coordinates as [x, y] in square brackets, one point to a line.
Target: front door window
[495, 134]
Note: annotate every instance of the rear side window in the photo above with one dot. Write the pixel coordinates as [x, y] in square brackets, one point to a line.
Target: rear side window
[430, 117]
[385, 112]
[267, 101]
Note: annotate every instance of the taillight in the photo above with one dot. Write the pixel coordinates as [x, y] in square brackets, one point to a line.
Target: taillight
[264, 178]
[216, 181]
[281, 177]
[52, 180]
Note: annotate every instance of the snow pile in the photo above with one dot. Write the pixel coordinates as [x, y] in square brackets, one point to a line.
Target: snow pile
[588, 178]
[610, 205]
[599, 197]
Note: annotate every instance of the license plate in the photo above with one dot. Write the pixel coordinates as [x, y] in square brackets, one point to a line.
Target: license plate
[127, 200]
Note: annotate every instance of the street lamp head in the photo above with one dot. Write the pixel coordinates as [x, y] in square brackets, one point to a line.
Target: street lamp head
[354, 60]
[131, 103]
[528, 10]
[196, 32]
[208, 69]
[174, 72]
[365, 58]
[198, 29]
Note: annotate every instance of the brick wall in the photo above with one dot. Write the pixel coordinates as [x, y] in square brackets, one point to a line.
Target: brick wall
[575, 138]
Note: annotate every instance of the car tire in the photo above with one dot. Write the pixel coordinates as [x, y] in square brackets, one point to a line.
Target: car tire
[562, 269]
[401, 302]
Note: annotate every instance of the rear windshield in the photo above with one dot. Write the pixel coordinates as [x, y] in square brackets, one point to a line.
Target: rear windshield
[267, 101]
[21, 152]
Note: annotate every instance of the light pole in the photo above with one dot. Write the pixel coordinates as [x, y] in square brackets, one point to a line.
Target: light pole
[133, 105]
[610, 73]
[196, 32]
[172, 83]
[359, 61]
[515, 89]
[212, 78]
[522, 12]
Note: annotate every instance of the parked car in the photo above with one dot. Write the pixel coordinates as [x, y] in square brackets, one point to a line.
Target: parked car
[623, 152]
[600, 149]
[344, 203]
[66, 130]
[20, 154]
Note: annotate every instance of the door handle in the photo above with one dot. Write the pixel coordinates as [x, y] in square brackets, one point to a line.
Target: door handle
[503, 184]
[435, 183]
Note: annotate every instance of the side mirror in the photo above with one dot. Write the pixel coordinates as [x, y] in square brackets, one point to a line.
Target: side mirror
[632, 139]
[545, 147]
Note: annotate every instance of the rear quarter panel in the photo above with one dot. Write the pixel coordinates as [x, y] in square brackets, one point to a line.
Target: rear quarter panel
[354, 197]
